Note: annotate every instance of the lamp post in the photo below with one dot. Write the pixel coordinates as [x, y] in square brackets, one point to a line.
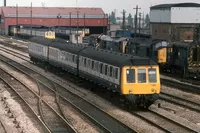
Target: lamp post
[59, 16]
[77, 25]
[17, 19]
[136, 19]
[70, 21]
[31, 18]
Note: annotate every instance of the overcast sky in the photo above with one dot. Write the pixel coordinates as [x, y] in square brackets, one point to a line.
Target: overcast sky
[106, 5]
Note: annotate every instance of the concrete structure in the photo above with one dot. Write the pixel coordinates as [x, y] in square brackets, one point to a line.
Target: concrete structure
[113, 28]
[174, 22]
[92, 18]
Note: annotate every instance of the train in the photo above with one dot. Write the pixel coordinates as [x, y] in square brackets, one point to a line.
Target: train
[64, 33]
[182, 58]
[47, 32]
[27, 32]
[137, 79]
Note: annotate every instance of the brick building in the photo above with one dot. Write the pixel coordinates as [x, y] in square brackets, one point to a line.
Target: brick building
[92, 18]
[174, 22]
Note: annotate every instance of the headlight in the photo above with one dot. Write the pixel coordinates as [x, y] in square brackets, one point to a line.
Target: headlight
[153, 90]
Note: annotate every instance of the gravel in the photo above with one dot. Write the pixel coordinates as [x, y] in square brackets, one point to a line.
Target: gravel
[18, 112]
[78, 123]
[29, 82]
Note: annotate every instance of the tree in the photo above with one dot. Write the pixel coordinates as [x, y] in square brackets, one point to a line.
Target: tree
[112, 18]
[147, 21]
[130, 20]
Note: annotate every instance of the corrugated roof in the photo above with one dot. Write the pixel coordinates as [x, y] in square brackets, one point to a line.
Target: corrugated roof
[161, 6]
[50, 11]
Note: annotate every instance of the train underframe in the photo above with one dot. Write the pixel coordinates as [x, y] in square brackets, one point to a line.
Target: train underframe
[144, 100]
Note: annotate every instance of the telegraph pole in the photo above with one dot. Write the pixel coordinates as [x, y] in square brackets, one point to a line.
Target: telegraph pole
[77, 25]
[104, 24]
[143, 21]
[139, 22]
[124, 21]
[31, 18]
[70, 21]
[136, 19]
[59, 16]
[84, 23]
[17, 19]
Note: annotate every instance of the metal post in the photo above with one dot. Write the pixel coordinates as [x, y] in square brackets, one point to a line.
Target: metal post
[84, 23]
[123, 24]
[4, 2]
[70, 21]
[103, 24]
[17, 19]
[139, 22]
[77, 25]
[59, 16]
[136, 19]
[143, 21]
[31, 18]
[109, 26]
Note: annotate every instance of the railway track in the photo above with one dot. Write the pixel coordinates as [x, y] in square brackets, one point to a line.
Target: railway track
[190, 85]
[161, 122]
[39, 106]
[192, 105]
[2, 128]
[160, 125]
[92, 112]
[17, 54]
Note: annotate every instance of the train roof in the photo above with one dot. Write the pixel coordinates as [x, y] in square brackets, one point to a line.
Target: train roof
[108, 57]
[183, 44]
[116, 58]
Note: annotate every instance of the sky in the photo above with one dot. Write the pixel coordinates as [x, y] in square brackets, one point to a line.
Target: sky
[106, 5]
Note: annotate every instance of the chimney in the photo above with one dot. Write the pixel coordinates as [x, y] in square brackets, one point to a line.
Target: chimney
[4, 2]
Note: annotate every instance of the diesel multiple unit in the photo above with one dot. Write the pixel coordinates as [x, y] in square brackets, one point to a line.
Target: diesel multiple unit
[135, 78]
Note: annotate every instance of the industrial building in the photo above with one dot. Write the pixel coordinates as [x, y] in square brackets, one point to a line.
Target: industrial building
[174, 22]
[92, 18]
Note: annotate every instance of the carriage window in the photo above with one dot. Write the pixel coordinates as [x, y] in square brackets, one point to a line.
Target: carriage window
[111, 71]
[89, 64]
[101, 68]
[73, 58]
[130, 75]
[84, 61]
[92, 65]
[116, 73]
[152, 75]
[67, 57]
[106, 69]
[96, 66]
[70, 58]
[141, 75]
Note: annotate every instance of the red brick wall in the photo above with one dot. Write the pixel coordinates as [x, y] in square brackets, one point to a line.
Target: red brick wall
[160, 31]
[172, 32]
